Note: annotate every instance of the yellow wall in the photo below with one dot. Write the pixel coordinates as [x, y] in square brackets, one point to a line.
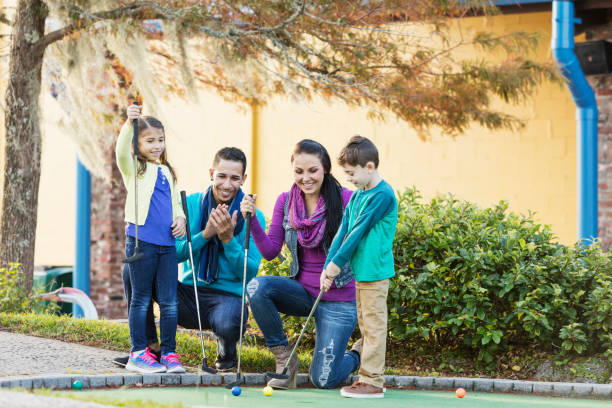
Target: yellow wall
[55, 228]
[533, 169]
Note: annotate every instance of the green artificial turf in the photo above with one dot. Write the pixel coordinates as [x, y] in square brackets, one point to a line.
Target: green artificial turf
[252, 397]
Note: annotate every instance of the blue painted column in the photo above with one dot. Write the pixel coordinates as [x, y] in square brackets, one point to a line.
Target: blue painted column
[562, 44]
[80, 274]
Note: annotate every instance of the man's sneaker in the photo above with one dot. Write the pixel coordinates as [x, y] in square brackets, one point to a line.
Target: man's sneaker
[121, 361]
[361, 390]
[173, 365]
[226, 360]
[145, 362]
[225, 364]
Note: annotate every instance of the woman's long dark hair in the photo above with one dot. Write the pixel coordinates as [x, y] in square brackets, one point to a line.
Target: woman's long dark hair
[144, 123]
[330, 188]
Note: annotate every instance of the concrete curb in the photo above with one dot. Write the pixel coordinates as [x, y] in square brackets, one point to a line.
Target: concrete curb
[59, 381]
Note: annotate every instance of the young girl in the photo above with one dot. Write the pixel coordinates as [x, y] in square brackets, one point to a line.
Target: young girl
[160, 220]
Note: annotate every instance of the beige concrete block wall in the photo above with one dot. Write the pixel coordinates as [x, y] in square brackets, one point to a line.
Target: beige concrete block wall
[56, 225]
[535, 169]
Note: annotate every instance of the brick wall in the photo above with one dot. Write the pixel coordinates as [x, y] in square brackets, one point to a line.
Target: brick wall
[108, 242]
[602, 85]
[603, 90]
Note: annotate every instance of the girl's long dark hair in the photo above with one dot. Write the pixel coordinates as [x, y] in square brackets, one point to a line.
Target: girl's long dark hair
[330, 188]
[144, 123]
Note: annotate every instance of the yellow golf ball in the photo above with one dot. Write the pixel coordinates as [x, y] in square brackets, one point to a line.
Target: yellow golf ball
[267, 391]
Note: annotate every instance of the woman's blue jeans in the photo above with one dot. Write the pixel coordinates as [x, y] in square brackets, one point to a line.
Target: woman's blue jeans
[332, 363]
[156, 271]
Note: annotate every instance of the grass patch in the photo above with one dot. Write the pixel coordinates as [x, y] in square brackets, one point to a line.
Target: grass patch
[403, 358]
[115, 336]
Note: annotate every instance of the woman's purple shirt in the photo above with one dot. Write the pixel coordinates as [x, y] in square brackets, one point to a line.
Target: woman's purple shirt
[311, 260]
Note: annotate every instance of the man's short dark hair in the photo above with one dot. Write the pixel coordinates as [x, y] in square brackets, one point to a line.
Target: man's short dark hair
[359, 151]
[231, 153]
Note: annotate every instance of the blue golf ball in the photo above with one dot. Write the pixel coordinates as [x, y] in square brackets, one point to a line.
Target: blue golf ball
[236, 390]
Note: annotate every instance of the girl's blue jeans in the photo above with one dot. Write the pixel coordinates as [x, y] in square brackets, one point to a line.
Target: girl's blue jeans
[156, 271]
[332, 363]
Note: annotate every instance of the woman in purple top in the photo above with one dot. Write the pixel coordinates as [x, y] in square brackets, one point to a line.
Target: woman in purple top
[306, 219]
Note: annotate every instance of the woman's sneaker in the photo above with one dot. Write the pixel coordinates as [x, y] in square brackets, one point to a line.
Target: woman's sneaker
[173, 365]
[144, 362]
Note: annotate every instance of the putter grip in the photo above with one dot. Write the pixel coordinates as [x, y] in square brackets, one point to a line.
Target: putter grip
[247, 235]
[247, 226]
[135, 137]
[184, 202]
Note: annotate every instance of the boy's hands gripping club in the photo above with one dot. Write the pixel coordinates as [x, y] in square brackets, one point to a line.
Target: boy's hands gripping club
[327, 276]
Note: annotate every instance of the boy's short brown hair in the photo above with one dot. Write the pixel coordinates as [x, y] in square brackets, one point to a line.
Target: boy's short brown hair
[359, 151]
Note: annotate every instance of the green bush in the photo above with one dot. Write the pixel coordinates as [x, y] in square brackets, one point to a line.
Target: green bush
[487, 278]
[14, 297]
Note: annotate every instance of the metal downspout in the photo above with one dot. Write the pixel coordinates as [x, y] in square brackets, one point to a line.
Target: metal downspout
[562, 45]
[80, 274]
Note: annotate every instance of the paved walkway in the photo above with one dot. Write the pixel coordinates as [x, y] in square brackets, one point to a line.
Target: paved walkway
[26, 355]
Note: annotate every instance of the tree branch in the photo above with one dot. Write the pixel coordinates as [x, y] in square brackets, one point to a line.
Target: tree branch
[299, 10]
[363, 28]
[315, 77]
[5, 20]
[88, 19]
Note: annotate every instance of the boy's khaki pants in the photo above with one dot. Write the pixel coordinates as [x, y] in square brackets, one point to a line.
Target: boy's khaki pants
[371, 299]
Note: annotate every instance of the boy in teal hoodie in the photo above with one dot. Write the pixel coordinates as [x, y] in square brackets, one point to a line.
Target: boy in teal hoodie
[365, 238]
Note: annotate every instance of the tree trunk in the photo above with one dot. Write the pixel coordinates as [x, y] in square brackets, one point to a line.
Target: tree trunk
[22, 138]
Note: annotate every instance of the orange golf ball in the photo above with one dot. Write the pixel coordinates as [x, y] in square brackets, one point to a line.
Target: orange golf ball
[460, 393]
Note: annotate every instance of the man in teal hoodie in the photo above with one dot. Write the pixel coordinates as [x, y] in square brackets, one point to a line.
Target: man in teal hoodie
[218, 232]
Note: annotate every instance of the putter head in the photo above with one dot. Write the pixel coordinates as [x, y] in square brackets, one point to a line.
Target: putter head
[239, 381]
[277, 376]
[136, 257]
[208, 369]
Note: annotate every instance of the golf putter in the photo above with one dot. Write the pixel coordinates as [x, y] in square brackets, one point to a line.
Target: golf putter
[283, 376]
[137, 255]
[205, 366]
[247, 238]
